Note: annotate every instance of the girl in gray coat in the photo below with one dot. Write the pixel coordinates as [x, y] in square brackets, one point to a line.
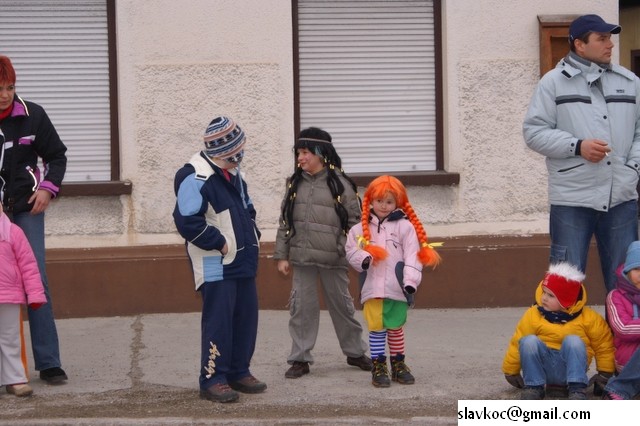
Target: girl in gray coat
[320, 206]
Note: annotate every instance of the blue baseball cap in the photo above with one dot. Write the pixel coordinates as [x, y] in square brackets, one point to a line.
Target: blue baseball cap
[591, 23]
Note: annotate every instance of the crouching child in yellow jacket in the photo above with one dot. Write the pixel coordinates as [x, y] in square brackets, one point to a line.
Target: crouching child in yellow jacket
[558, 337]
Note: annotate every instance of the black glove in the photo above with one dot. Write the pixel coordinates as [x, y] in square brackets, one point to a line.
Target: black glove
[366, 263]
[409, 289]
[515, 380]
[599, 381]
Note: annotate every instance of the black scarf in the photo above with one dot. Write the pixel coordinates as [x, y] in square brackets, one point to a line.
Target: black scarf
[558, 317]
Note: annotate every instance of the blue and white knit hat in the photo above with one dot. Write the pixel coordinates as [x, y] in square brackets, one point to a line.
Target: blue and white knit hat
[224, 139]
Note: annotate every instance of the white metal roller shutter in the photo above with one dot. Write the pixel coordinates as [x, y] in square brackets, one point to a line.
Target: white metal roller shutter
[59, 49]
[367, 75]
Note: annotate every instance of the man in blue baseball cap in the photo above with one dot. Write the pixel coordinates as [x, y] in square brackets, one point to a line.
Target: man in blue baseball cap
[585, 24]
[584, 118]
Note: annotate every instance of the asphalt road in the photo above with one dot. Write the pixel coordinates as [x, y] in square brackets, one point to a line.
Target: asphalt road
[143, 370]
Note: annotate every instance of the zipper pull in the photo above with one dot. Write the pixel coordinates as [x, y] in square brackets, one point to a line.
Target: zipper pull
[35, 180]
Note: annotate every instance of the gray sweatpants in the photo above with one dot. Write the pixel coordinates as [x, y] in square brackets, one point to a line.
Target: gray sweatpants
[304, 307]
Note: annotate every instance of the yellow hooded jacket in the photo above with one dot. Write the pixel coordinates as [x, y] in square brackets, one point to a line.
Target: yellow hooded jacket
[589, 326]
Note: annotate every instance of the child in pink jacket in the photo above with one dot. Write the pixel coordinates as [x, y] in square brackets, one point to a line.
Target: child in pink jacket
[20, 284]
[623, 313]
[389, 249]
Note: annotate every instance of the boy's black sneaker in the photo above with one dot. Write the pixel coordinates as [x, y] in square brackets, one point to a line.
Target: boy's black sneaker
[577, 391]
[577, 394]
[532, 392]
[53, 376]
[557, 391]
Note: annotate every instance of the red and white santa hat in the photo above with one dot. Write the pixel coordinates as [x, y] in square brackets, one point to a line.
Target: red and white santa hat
[565, 281]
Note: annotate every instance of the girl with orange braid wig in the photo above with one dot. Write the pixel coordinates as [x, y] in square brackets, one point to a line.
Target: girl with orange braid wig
[377, 190]
[389, 249]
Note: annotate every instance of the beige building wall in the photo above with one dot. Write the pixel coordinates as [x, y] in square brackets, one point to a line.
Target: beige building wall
[182, 63]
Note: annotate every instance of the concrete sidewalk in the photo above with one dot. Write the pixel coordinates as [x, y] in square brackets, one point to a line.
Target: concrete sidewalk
[143, 370]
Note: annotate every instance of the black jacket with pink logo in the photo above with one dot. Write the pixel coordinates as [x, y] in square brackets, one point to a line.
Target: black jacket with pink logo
[26, 135]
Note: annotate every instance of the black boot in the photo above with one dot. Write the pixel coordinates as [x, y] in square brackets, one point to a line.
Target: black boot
[380, 373]
[400, 372]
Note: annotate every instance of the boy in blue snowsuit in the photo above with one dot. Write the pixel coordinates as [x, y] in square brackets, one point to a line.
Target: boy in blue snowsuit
[216, 217]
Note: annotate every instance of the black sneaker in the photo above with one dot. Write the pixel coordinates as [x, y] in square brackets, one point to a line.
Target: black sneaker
[400, 372]
[363, 362]
[578, 394]
[297, 369]
[53, 376]
[532, 392]
[577, 391]
[557, 391]
[380, 373]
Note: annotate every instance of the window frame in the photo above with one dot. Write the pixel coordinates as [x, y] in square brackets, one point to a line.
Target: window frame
[115, 186]
[421, 178]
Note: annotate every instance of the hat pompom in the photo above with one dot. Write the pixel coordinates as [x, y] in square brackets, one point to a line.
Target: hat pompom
[564, 280]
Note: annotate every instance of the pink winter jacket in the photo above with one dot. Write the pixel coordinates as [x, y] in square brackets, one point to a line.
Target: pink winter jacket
[397, 235]
[625, 323]
[20, 281]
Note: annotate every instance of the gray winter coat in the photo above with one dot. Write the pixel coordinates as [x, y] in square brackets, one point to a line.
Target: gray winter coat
[581, 100]
[319, 239]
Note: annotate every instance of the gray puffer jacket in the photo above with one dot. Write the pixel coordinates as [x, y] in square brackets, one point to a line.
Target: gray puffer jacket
[582, 100]
[319, 239]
